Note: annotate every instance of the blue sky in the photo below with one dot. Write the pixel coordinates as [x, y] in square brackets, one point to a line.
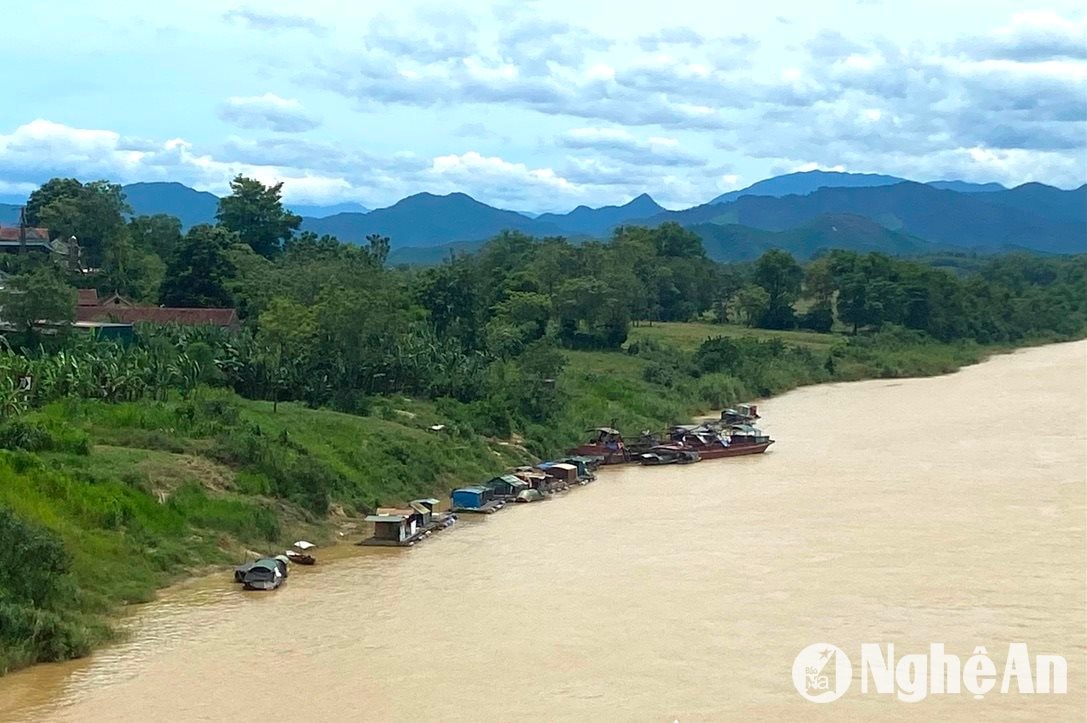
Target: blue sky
[543, 105]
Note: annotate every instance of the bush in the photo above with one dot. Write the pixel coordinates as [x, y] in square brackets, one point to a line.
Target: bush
[34, 436]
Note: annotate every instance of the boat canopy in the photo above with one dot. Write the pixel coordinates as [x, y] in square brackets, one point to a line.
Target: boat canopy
[386, 518]
[605, 430]
[303, 545]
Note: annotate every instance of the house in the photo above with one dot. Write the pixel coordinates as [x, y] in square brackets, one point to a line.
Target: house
[86, 297]
[392, 527]
[13, 240]
[562, 473]
[404, 526]
[534, 478]
[122, 314]
[506, 486]
[474, 499]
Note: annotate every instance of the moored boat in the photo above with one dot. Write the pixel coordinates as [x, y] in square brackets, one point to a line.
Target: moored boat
[266, 574]
[605, 443]
[300, 553]
[668, 454]
[404, 526]
[739, 440]
[741, 414]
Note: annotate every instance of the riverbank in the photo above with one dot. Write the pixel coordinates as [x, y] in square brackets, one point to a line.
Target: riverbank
[137, 495]
[841, 534]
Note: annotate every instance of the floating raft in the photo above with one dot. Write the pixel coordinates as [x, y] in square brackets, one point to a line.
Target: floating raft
[486, 509]
[434, 527]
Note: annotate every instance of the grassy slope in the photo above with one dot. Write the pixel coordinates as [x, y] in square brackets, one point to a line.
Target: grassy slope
[689, 335]
[165, 491]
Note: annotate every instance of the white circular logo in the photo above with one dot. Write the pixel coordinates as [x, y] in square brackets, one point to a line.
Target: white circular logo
[822, 673]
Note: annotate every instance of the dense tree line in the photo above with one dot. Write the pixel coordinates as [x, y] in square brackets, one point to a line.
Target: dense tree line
[328, 323]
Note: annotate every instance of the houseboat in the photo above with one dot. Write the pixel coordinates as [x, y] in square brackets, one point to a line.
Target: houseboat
[265, 574]
[403, 527]
[585, 473]
[742, 414]
[539, 484]
[563, 475]
[605, 443]
[506, 486]
[747, 439]
[475, 499]
[668, 454]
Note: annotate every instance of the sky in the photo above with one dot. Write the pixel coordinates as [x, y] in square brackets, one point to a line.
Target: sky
[542, 106]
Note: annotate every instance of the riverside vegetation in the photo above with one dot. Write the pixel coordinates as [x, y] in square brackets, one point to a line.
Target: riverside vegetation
[125, 467]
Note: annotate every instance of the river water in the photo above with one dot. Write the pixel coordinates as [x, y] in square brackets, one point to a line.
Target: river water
[947, 510]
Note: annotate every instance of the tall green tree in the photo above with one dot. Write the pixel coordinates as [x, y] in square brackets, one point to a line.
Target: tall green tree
[778, 273]
[39, 296]
[92, 212]
[160, 234]
[129, 270]
[200, 269]
[255, 212]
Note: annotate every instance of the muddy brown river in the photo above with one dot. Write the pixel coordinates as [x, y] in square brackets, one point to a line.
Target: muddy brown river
[947, 510]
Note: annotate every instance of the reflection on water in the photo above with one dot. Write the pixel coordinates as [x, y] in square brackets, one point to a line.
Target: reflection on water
[937, 510]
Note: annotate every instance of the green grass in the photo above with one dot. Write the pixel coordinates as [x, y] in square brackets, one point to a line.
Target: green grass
[689, 335]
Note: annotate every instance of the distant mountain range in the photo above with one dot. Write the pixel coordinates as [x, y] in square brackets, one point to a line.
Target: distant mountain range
[805, 182]
[802, 212]
[1032, 216]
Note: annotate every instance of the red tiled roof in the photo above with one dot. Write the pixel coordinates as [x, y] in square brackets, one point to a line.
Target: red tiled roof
[158, 315]
[87, 297]
[11, 233]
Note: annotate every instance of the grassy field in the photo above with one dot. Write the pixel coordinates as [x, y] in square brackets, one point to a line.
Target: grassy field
[689, 335]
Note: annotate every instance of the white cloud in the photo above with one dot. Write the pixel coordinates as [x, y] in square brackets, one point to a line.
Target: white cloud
[267, 111]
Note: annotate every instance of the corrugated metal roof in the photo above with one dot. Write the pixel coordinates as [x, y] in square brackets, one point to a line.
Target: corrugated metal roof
[158, 315]
[11, 233]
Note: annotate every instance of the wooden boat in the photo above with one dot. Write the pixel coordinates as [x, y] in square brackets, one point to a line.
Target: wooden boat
[605, 443]
[740, 440]
[529, 495]
[266, 574]
[742, 414]
[300, 554]
[666, 454]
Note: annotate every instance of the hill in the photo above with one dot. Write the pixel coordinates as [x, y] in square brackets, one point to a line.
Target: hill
[946, 218]
[805, 182]
[599, 221]
[324, 211]
[190, 206]
[733, 242]
[9, 214]
[429, 220]
[965, 187]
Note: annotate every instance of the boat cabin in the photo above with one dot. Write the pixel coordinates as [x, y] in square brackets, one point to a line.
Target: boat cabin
[265, 574]
[474, 499]
[506, 485]
[393, 525]
[741, 414]
[605, 443]
[534, 478]
[564, 474]
[584, 473]
[747, 434]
